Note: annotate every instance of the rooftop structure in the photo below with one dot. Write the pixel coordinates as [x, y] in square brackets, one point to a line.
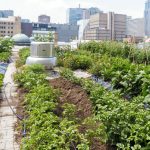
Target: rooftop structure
[21, 40]
[42, 29]
[42, 53]
[44, 19]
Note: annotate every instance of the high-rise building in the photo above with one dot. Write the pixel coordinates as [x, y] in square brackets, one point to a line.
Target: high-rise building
[6, 13]
[106, 26]
[44, 19]
[10, 26]
[76, 14]
[147, 18]
[135, 27]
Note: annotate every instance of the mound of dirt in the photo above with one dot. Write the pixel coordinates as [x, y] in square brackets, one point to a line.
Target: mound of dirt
[73, 94]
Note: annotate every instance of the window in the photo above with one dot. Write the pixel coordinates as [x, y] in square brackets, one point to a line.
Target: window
[11, 27]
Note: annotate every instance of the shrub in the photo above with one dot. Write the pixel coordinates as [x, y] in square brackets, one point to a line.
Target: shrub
[23, 54]
[5, 49]
[78, 62]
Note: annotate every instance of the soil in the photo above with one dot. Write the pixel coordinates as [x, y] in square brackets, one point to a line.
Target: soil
[73, 94]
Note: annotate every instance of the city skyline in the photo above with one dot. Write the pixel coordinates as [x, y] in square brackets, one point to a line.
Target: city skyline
[57, 9]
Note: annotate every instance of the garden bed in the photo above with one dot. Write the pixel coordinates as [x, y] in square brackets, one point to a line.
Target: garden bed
[109, 118]
[74, 94]
[59, 110]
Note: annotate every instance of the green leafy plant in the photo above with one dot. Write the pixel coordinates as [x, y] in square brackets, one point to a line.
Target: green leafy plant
[1, 80]
[78, 62]
[5, 49]
[44, 38]
[126, 122]
[31, 76]
[23, 54]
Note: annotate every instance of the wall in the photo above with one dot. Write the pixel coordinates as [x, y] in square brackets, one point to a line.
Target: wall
[26, 28]
[135, 27]
[66, 32]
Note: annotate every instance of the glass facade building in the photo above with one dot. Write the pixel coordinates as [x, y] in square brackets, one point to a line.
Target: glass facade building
[6, 13]
[76, 14]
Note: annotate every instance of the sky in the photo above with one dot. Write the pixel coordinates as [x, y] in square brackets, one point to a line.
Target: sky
[31, 9]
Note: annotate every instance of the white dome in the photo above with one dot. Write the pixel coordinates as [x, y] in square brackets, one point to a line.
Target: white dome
[21, 39]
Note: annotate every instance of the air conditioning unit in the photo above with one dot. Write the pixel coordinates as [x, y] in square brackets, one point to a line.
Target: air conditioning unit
[42, 53]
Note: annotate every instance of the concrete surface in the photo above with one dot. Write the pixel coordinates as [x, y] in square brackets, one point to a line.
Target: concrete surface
[7, 118]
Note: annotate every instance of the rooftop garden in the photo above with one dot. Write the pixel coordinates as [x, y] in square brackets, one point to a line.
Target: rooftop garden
[77, 113]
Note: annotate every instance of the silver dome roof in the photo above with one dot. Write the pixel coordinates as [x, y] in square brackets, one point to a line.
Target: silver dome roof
[21, 39]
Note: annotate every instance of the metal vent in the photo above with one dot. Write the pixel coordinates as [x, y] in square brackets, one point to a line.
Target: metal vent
[42, 49]
[42, 53]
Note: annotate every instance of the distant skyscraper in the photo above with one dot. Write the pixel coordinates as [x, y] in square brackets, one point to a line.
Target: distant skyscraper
[6, 13]
[93, 10]
[147, 18]
[76, 14]
[44, 19]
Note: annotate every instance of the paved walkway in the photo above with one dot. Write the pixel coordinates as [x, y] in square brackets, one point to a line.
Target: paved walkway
[7, 118]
